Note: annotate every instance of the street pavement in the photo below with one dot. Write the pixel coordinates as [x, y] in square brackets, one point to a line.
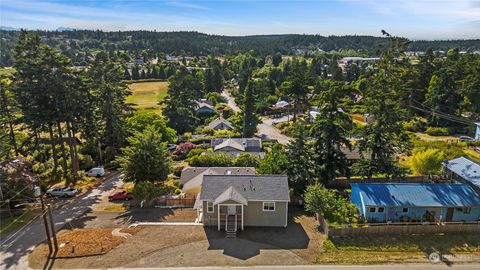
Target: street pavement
[266, 128]
[332, 267]
[15, 248]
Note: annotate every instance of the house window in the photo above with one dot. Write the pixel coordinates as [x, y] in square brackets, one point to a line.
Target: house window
[467, 210]
[268, 206]
[372, 210]
[380, 209]
[405, 210]
[210, 207]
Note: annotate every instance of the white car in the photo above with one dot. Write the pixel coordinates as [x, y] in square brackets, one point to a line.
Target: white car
[62, 192]
[96, 172]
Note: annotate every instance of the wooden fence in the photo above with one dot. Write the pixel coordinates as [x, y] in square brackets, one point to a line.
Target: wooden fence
[181, 202]
[402, 228]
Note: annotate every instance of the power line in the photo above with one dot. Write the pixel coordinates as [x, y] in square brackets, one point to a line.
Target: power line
[443, 115]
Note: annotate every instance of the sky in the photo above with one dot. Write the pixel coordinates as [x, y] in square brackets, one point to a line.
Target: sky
[414, 19]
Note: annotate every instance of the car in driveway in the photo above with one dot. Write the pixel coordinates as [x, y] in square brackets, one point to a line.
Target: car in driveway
[62, 192]
[121, 196]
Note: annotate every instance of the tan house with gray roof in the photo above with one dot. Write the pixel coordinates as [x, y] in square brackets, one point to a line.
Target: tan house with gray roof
[232, 202]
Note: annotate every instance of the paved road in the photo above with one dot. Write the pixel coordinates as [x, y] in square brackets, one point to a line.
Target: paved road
[15, 248]
[334, 267]
[267, 129]
[231, 101]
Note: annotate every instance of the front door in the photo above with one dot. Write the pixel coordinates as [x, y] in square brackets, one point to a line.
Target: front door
[232, 209]
[449, 214]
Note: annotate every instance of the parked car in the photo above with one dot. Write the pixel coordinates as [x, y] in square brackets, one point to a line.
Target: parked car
[171, 146]
[62, 192]
[121, 195]
[466, 139]
[96, 172]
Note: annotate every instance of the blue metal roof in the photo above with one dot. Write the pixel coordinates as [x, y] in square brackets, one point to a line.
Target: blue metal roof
[412, 194]
[464, 168]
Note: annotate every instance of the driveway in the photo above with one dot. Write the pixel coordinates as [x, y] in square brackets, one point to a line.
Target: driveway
[15, 248]
[231, 101]
[268, 130]
[182, 246]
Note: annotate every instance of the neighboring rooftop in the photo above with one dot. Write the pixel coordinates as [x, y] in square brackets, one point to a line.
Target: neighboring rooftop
[190, 173]
[231, 143]
[250, 144]
[250, 187]
[218, 121]
[464, 168]
[414, 194]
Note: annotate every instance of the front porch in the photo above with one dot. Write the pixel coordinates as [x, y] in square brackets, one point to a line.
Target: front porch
[230, 217]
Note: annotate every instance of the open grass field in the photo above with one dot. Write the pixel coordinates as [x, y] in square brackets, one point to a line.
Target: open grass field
[147, 95]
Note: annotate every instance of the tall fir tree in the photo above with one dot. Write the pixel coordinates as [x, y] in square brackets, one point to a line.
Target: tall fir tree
[250, 119]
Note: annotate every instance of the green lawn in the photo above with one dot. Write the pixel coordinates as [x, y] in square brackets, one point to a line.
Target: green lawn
[396, 249]
[11, 224]
[146, 95]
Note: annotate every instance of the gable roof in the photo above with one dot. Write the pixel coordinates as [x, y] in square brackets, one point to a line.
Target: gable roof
[202, 104]
[250, 144]
[197, 173]
[231, 194]
[464, 168]
[220, 120]
[420, 195]
[230, 143]
[251, 187]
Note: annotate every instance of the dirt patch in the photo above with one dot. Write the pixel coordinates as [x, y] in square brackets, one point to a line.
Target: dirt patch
[86, 242]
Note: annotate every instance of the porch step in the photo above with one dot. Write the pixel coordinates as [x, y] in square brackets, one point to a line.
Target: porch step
[231, 234]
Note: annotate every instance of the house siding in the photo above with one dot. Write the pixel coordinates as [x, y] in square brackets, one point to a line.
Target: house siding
[253, 214]
[396, 214]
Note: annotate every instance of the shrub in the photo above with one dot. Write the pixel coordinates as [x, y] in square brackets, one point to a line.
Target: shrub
[148, 190]
[247, 160]
[196, 152]
[428, 161]
[330, 205]
[415, 125]
[183, 148]
[211, 160]
[223, 133]
[437, 131]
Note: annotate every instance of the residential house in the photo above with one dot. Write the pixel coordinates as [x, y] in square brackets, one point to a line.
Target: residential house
[416, 202]
[463, 170]
[236, 146]
[192, 177]
[233, 202]
[220, 123]
[205, 108]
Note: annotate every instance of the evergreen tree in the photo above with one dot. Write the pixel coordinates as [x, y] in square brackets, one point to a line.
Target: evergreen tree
[180, 102]
[384, 136]
[329, 133]
[274, 161]
[250, 119]
[146, 158]
[109, 93]
[299, 165]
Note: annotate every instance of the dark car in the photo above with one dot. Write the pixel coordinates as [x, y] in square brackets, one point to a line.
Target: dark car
[121, 195]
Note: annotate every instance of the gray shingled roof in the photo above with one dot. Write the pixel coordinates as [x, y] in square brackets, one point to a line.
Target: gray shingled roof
[231, 194]
[230, 143]
[252, 187]
[189, 173]
[219, 120]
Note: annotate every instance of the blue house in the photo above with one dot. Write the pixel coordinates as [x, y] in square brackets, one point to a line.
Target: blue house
[415, 202]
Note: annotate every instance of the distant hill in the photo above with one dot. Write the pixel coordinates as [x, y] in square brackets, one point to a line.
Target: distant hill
[72, 42]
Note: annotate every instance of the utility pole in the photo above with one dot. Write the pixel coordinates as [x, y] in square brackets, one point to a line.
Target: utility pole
[45, 223]
[52, 227]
